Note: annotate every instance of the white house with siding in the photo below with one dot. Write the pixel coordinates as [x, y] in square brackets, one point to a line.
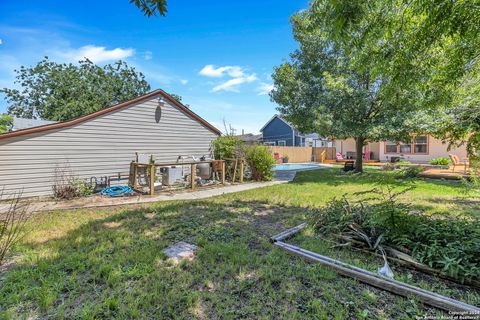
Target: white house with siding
[102, 143]
[420, 149]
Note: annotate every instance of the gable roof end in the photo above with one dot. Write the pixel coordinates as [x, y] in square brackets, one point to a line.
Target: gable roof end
[93, 115]
[280, 118]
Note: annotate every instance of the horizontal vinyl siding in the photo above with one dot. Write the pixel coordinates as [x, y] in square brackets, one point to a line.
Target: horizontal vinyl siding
[103, 146]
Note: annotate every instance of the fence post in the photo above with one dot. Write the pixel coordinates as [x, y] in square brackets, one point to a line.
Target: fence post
[152, 179]
[241, 170]
[193, 171]
[223, 172]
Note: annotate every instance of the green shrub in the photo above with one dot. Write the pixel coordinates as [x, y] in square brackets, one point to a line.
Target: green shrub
[440, 161]
[227, 147]
[410, 172]
[260, 161]
[448, 245]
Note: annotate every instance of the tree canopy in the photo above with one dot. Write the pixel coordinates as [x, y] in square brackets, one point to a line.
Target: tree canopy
[6, 122]
[60, 92]
[151, 7]
[324, 89]
[430, 48]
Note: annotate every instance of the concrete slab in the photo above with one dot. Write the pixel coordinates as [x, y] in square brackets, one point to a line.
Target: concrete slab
[101, 201]
[180, 251]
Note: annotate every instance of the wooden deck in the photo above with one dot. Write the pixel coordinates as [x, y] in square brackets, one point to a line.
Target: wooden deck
[447, 174]
[366, 163]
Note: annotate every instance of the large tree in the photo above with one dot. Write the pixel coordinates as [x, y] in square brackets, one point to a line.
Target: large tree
[324, 88]
[430, 48]
[60, 92]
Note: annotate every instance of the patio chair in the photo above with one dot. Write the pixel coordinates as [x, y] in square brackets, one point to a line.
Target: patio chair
[366, 155]
[339, 157]
[456, 162]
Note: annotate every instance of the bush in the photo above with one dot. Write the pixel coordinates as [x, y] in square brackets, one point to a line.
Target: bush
[448, 245]
[440, 161]
[227, 147]
[410, 172]
[66, 186]
[261, 162]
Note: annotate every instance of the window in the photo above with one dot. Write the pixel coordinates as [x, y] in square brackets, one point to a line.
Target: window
[420, 144]
[281, 143]
[405, 147]
[269, 143]
[390, 147]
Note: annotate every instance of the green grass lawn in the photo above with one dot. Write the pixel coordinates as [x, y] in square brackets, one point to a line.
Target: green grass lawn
[108, 262]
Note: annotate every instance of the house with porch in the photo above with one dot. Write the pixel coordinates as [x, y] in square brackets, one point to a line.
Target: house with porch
[420, 149]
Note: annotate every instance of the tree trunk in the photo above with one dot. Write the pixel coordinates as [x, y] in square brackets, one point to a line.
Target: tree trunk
[359, 154]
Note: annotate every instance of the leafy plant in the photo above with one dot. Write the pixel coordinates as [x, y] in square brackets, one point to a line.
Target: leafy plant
[12, 223]
[471, 184]
[6, 122]
[451, 246]
[441, 161]
[261, 162]
[227, 147]
[410, 172]
[67, 186]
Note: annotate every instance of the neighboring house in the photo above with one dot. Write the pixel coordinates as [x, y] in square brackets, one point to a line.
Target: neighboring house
[102, 143]
[314, 140]
[250, 138]
[22, 123]
[420, 149]
[278, 132]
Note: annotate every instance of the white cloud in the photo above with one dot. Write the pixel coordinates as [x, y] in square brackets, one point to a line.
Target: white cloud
[148, 55]
[264, 88]
[236, 73]
[183, 81]
[232, 84]
[210, 71]
[96, 54]
[1, 41]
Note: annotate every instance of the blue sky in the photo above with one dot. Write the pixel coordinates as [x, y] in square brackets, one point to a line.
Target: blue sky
[218, 55]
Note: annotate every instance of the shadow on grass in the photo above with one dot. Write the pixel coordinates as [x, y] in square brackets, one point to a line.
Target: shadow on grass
[115, 267]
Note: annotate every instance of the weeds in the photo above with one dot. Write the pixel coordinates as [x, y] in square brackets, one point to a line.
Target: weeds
[12, 223]
[446, 245]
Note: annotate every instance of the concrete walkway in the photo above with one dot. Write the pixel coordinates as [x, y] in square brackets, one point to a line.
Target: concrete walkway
[101, 201]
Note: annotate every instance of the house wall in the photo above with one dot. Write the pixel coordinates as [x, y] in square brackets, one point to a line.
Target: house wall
[278, 130]
[102, 146]
[435, 149]
[348, 145]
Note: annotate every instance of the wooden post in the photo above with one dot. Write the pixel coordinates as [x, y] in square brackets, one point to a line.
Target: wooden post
[131, 179]
[241, 170]
[234, 171]
[193, 168]
[223, 172]
[152, 179]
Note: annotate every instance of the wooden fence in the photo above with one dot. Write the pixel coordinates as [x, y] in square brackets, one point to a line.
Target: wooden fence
[304, 154]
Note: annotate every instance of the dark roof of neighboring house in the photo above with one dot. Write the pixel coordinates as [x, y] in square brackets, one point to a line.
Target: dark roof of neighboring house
[249, 137]
[22, 123]
[93, 115]
[279, 117]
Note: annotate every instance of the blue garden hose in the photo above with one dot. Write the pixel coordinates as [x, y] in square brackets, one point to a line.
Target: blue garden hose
[116, 191]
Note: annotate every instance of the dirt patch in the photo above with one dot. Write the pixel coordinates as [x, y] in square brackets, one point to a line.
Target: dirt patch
[112, 224]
